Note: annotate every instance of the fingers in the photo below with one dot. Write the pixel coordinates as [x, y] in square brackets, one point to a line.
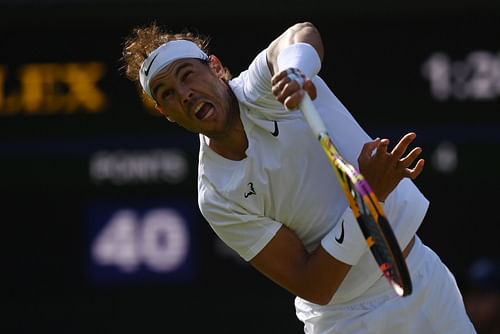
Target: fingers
[405, 162]
[367, 150]
[401, 147]
[310, 88]
[287, 76]
[291, 102]
[382, 148]
[395, 159]
[288, 87]
[285, 83]
[410, 158]
[292, 99]
[415, 172]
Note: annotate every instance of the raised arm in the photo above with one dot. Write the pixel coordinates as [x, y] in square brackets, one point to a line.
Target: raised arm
[316, 275]
[304, 32]
[313, 276]
[294, 58]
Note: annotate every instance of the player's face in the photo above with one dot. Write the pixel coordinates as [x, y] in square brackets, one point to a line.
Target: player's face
[195, 96]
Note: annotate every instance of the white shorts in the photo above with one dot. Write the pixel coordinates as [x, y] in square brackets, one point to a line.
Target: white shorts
[434, 307]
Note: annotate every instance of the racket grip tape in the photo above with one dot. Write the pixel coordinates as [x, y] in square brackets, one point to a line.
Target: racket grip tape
[312, 116]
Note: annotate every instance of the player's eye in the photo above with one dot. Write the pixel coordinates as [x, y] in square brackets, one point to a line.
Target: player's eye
[185, 75]
[165, 94]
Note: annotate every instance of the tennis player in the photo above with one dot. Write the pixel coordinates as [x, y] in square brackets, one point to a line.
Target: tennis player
[268, 191]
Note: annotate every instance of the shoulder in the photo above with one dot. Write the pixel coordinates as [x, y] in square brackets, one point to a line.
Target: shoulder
[255, 82]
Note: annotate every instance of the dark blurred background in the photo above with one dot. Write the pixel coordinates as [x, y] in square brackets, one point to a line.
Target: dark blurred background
[99, 217]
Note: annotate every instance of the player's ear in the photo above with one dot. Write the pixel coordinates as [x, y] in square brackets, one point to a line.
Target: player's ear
[159, 109]
[216, 65]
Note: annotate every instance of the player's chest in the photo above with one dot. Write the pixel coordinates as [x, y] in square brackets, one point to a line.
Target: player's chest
[274, 170]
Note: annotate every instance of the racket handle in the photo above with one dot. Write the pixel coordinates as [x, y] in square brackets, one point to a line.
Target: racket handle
[312, 116]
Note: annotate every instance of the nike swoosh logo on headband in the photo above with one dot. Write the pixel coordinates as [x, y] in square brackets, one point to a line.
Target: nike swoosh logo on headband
[146, 71]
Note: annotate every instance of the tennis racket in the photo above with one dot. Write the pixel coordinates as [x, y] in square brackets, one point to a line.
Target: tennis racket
[365, 206]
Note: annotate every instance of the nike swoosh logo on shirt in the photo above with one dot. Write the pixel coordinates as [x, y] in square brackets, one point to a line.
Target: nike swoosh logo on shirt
[276, 131]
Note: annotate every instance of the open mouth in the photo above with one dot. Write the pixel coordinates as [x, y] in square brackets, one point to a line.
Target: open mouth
[203, 111]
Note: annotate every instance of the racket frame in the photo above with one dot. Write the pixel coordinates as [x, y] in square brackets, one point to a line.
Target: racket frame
[365, 205]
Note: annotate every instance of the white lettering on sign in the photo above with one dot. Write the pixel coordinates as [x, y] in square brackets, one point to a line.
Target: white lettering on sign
[477, 77]
[135, 167]
[158, 240]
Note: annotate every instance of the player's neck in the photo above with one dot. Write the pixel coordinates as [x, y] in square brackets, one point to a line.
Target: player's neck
[233, 144]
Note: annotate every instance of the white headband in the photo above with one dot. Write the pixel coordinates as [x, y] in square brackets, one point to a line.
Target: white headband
[165, 55]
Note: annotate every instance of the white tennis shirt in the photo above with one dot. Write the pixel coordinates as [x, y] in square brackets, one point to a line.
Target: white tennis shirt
[287, 179]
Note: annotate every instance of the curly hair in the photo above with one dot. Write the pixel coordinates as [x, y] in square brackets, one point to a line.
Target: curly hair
[144, 40]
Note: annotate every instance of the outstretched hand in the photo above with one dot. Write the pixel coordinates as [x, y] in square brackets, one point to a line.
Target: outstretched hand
[384, 169]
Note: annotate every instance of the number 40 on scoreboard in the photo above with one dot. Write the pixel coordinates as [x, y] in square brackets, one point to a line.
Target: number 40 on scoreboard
[139, 243]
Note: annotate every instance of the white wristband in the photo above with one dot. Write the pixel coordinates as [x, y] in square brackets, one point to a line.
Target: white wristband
[302, 56]
[345, 241]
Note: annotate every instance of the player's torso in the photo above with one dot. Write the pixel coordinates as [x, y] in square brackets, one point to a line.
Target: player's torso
[285, 176]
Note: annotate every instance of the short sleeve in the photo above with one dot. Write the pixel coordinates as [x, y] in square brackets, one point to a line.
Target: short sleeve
[244, 232]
